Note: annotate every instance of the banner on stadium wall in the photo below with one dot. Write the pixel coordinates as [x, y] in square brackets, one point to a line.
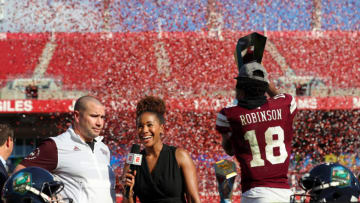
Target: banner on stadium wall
[204, 103]
[36, 106]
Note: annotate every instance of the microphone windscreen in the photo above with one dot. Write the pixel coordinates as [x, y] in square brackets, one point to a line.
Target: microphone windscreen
[135, 148]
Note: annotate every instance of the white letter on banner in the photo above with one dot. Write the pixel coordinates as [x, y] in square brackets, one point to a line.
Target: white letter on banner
[72, 106]
[28, 106]
[307, 103]
[9, 107]
[19, 105]
[356, 102]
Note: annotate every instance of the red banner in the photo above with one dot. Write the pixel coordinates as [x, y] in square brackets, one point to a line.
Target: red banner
[196, 104]
[36, 106]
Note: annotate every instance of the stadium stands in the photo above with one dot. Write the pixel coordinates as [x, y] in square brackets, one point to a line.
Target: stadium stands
[340, 15]
[206, 66]
[20, 54]
[27, 16]
[140, 16]
[96, 57]
[175, 15]
[269, 15]
[322, 56]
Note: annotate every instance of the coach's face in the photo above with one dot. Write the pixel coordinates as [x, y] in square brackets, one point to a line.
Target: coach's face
[90, 120]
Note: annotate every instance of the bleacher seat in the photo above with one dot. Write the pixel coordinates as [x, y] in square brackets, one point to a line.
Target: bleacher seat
[20, 54]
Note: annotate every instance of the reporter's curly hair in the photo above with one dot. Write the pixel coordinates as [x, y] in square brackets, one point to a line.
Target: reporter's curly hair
[151, 104]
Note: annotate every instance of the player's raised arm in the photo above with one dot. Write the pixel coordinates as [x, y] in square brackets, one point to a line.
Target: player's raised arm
[272, 90]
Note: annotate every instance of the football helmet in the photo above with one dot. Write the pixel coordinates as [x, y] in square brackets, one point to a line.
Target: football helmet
[329, 182]
[32, 185]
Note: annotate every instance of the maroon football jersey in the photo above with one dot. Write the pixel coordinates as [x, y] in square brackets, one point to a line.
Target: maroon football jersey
[261, 139]
[44, 156]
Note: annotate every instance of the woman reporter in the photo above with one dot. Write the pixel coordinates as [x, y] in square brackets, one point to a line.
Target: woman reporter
[167, 173]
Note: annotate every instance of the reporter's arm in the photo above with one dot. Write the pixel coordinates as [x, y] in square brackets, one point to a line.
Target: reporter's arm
[189, 170]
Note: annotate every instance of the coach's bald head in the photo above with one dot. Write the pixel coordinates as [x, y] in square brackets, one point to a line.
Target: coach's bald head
[81, 103]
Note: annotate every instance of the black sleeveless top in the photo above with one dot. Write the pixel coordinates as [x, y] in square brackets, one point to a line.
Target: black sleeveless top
[166, 182]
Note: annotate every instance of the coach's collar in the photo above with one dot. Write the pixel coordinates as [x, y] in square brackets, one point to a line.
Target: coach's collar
[77, 137]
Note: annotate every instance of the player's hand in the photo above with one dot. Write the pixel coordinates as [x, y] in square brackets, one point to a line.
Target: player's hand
[226, 144]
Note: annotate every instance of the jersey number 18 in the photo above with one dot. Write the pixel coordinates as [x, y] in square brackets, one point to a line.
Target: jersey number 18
[269, 148]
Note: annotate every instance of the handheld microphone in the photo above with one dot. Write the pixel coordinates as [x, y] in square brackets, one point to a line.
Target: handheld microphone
[134, 159]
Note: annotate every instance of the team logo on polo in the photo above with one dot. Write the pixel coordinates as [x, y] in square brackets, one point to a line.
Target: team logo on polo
[21, 181]
[103, 151]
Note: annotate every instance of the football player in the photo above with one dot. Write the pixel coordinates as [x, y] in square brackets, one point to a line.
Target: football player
[258, 131]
